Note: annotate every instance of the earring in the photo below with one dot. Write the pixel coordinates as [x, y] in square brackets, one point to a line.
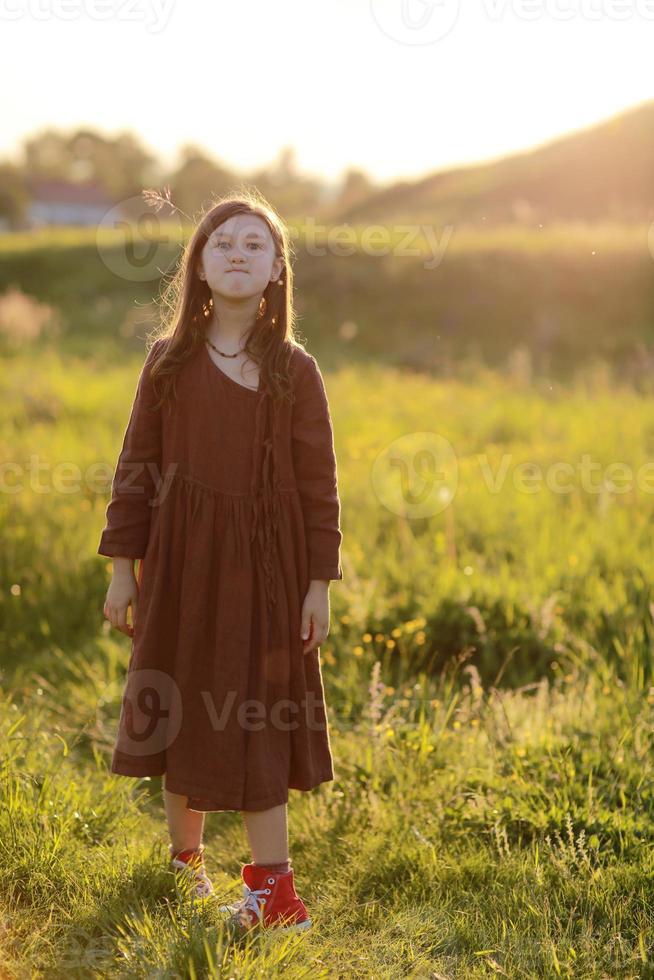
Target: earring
[280, 282]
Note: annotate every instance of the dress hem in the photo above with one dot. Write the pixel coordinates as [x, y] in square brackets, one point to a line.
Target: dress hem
[184, 789]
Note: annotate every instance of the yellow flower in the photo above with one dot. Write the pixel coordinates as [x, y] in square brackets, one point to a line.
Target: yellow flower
[357, 651]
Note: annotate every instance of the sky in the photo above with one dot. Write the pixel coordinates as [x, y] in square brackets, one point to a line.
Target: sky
[397, 88]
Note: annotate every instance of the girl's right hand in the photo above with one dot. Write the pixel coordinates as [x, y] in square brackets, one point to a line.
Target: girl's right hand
[123, 592]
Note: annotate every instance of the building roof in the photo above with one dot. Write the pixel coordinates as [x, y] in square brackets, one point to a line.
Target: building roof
[67, 192]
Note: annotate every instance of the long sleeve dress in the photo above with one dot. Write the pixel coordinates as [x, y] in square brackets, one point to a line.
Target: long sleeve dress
[233, 509]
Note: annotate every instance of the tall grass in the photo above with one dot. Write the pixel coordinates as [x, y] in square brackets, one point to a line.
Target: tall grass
[489, 689]
[469, 830]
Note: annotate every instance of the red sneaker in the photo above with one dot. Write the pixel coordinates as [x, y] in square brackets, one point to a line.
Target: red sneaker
[269, 900]
[190, 864]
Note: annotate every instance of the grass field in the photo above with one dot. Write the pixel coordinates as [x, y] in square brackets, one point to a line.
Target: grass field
[488, 678]
[423, 295]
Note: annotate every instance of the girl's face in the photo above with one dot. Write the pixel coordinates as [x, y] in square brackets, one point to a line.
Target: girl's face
[238, 260]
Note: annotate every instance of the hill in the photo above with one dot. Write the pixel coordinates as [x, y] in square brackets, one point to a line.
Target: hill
[603, 172]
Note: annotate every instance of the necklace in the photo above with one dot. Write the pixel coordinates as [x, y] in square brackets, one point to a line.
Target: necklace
[222, 353]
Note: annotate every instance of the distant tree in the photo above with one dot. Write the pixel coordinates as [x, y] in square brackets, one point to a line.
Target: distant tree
[355, 187]
[120, 164]
[197, 179]
[14, 196]
[124, 166]
[46, 156]
[292, 193]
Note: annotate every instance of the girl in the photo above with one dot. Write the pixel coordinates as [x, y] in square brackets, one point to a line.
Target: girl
[226, 490]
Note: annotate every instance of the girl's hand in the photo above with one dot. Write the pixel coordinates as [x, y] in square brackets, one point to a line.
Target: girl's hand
[123, 592]
[315, 615]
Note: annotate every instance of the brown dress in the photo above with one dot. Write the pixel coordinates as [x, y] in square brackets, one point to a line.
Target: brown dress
[232, 508]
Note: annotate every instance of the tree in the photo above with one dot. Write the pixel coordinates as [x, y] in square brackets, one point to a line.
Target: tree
[14, 196]
[198, 179]
[120, 165]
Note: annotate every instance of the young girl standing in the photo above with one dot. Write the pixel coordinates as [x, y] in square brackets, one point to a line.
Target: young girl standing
[226, 490]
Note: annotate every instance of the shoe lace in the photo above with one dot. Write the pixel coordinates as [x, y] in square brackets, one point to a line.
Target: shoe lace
[252, 900]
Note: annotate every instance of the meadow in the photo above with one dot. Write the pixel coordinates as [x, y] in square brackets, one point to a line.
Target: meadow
[423, 296]
[488, 678]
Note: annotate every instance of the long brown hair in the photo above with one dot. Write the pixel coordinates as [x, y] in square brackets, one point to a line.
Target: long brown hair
[187, 304]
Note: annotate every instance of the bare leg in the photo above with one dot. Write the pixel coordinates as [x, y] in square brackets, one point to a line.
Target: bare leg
[267, 831]
[185, 826]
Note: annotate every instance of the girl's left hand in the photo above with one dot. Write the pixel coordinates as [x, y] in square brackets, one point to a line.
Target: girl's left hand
[315, 616]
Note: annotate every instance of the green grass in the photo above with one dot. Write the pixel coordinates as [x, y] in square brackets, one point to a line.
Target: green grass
[489, 687]
[517, 237]
[469, 830]
[426, 295]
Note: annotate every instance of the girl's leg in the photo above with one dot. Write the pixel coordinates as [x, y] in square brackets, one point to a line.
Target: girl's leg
[267, 831]
[185, 826]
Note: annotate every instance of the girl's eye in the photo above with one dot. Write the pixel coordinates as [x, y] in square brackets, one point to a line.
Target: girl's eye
[256, 244]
